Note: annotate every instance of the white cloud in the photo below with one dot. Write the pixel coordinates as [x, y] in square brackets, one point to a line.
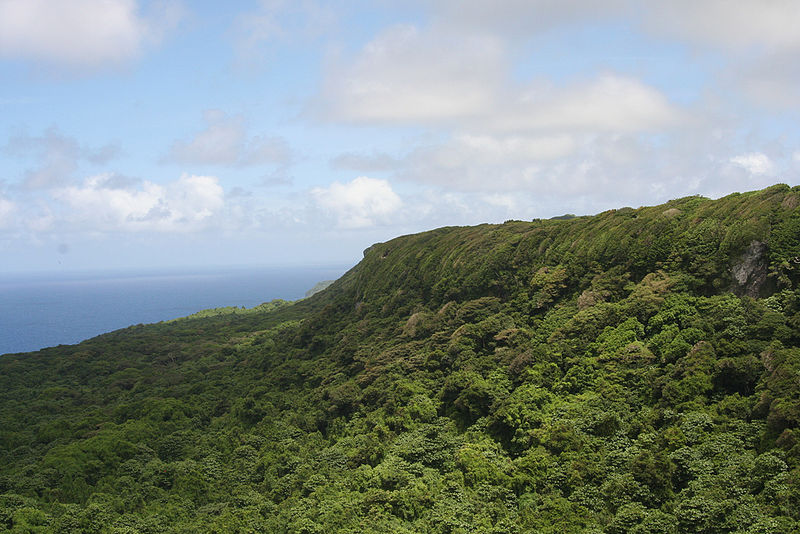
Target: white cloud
[497, 150]
[405, 75]
[771, 81]
[79, 33]
[608, 138]
[220, 143]
[360, 203]
[755, 163]
[521, 17]
[598, 172]
[57, 156]
[277, 21]
[767, 24]
[99, 204]
[758, 39]
[607, 103]
[262, 150]
[225, 142]
[471, 162]
[562, 166]
[507, 201]
[500, 134]
[437, 76]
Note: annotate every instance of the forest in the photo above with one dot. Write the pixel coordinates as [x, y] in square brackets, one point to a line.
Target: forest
[634, 371]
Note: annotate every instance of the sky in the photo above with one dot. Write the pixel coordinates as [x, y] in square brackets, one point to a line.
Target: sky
[141, 134]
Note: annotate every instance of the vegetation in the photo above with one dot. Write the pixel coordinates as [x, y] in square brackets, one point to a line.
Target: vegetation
[634, 371]
[319, 286]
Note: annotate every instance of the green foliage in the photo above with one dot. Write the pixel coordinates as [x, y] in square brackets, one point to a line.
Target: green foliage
[581, 374]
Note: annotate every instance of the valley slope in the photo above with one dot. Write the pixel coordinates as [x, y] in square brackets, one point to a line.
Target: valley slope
[632, 371]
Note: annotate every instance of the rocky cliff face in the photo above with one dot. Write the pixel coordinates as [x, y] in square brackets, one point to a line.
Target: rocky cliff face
[749, 273]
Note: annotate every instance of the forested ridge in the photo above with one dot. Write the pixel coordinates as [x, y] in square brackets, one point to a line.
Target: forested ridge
[633, 371]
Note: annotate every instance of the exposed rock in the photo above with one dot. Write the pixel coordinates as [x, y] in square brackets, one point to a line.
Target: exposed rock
[750, 272]
[319, 286]
[791, 201]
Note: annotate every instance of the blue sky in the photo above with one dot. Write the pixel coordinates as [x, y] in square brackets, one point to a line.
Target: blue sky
[149, 134]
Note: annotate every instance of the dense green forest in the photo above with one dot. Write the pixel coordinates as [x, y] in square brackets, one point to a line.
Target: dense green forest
[633, 371]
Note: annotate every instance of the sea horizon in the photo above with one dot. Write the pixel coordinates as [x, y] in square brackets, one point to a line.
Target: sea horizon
[44, 309]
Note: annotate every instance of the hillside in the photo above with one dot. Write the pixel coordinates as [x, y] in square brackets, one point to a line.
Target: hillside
[632, 371]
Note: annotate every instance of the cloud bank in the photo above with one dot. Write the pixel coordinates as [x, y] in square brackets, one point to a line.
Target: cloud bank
[225, 142]
[80, 33]
[57, 155]
[102, 203]
[360, 203]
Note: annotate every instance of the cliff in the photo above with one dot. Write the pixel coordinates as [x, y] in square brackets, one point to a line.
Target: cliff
[632, 371]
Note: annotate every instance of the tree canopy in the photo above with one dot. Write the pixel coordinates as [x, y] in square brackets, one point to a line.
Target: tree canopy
[633, 371]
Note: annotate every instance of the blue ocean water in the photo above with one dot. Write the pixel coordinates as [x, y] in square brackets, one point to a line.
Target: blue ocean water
[45, 310]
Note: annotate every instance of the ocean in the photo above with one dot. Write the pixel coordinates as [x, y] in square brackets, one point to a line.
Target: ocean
[44, 310]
